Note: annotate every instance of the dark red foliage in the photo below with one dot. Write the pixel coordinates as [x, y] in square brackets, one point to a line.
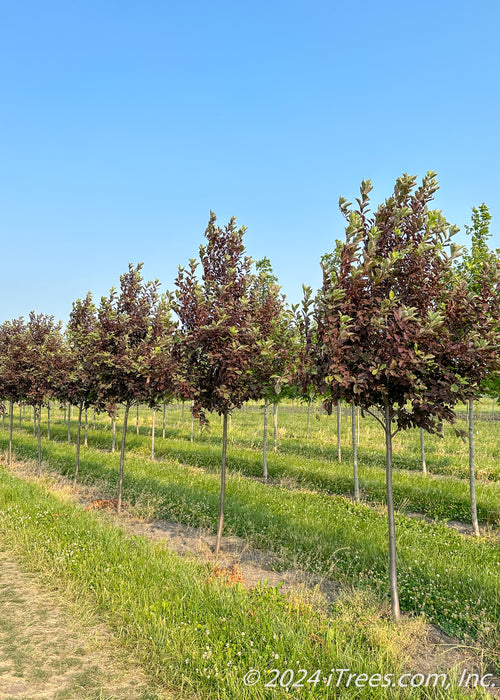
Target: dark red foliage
[224, 320]
[131, 356]
[34, 359]
[395, 323]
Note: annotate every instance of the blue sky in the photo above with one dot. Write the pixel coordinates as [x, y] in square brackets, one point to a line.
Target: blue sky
[124, 123]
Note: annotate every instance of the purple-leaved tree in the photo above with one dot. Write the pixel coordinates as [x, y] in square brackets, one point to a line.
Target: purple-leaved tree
[399, 332]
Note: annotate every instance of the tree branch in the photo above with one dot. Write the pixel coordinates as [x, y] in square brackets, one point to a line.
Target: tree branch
[375, 416]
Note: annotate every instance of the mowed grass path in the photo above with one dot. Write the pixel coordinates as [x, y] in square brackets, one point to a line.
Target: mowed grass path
[453, 579]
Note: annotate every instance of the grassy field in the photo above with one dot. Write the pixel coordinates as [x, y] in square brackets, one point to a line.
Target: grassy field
[305, 514]
[53, 648]
[313, 463]
[194, 635]
[447, 455]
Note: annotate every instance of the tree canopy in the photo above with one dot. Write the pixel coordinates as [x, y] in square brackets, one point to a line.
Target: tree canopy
[396, 324]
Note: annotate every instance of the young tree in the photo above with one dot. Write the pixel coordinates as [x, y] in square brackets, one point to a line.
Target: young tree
[164, 421]
[45, 366]
[274, 367]
[134, 346]
[13, 382]
[474, 264]
[220, 331]
[305, 334]
[81, 386]
[399, 333]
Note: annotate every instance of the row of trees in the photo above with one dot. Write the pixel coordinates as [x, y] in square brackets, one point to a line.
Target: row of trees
[403, 328]
[231, 338]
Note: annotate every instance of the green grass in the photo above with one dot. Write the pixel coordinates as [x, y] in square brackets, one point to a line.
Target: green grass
[454, 580]
[433, 496]
[196, 636]
[314, 465]
[448, 455]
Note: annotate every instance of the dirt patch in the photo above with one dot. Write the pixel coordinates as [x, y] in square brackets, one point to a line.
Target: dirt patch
[255, 565]
[432, 652]
[105, 504]
[437, 652]
[44, 653]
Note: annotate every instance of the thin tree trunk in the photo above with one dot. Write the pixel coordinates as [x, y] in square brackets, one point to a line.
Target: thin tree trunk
[93, 416]
[339, 448]
[48, 420]
[153, 434]
[275, 426]
[191, 439]
[38, 414]
[20, 418]
[113, 440]
[137, 420]
[86, 429]
[164, 420]
[78, 433]
[393, 571]
[122, 459]
[264, 440]
[358, 412]
[220, 524]
[354, 454]
[308, 418]
[69, 422]
[422, 451]
[182, 416]
[472, 470]
[11, 422]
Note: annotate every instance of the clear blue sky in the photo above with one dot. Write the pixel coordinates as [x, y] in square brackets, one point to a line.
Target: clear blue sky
[123, 123]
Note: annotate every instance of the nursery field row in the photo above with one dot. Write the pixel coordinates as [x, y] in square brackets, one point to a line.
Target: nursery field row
[446, 455]
[195, 635]
[454, 580]
[439, 497]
